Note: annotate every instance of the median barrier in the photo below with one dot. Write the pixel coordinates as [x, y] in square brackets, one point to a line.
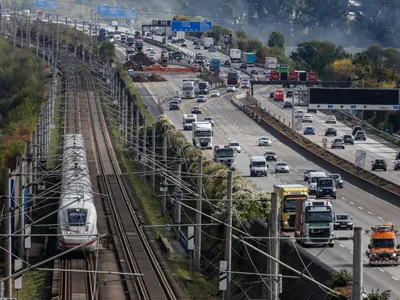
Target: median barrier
[361, 178]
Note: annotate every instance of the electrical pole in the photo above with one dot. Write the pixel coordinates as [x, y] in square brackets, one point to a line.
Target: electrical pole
[137, 135]
[22, 32]
[49, 39]
[83, 42]
[75, 39]
[37, 37]
[178, 191]
[153, 158]
[131, 135]
[199, 205]
[57, 45]
[66, 34]
[358, 283]
[144, 147]
[164, 192]
[29, 32]
[274, 242]
[293, 126]
[90, 46]
[14, 30]
[44, 40]
[8, 246]
[228, 236]
[1, 18]
[20, 202]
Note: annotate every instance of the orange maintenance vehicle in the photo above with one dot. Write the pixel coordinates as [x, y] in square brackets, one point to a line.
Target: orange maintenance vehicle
[383, 248]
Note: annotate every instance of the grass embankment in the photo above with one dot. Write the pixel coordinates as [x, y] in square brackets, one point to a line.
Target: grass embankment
[57, 131]
[196, 286]
[32, 286]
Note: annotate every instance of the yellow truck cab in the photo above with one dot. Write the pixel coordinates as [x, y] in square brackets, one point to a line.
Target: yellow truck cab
[288, 196]
[383, 248]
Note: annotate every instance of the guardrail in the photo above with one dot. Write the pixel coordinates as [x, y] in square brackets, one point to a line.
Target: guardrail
[370, 127]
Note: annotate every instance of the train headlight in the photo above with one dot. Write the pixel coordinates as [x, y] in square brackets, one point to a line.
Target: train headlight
[69, 232]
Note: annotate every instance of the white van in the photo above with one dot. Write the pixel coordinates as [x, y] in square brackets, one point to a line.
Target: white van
[258, 166]
[312, 181]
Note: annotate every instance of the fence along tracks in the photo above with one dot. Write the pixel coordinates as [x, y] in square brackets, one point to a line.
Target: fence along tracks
[135, 253]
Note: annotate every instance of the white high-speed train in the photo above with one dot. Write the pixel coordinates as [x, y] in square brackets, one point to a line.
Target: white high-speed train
[77, 216]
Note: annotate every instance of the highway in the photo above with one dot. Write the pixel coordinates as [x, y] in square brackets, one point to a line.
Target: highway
[376, 147]
[366, 210]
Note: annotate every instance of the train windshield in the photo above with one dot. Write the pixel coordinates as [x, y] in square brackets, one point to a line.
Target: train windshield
[77, 217]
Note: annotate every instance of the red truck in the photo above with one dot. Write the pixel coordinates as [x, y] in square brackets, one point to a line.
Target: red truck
[139, 45]
[278, 95]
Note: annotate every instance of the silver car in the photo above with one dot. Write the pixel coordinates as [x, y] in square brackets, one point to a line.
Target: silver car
[264, 141]
[235, 145]
[281, 167]
[337, 143]
[209, 119]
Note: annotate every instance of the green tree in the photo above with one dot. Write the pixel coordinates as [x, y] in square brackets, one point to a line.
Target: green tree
[181, 18]
[276, 39]
[106, 51]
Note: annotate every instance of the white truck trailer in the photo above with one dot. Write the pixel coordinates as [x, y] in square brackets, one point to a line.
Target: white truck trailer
[188, 120]
[235, 55]
[202, 135]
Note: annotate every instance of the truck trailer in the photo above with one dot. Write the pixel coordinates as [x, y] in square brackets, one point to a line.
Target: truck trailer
[202, 135]
[235, 55]
[248, 58]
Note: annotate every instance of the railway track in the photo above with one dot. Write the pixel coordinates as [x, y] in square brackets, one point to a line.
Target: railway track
[74, 285]
[134, 250]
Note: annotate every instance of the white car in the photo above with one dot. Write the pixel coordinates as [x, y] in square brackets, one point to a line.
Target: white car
[153, 53]
[215, 94]
[307, 118]
[281, 167]
[152, 56]
[235, 145]
[337, 143]
[149, 49]
[231, 88]
[209, 119]
[264, 141]
[330, 120]
[299, 113]
[201, 99]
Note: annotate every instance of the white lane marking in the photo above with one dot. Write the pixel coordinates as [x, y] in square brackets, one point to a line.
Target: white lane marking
[381, 270]
[257, 186]
[390, 223]
[351, 252]
[370, 213]
[284, 182]
[394, 278]
[341, 245]
[365, 259]
[351, 203]
[360, 207]
[380, 218]
[343, 198]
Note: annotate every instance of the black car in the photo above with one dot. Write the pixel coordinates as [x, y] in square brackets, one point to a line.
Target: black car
[355, 129]
[330, 131]
[184, 45]
[170, 36]
[342, 221]
[348, 139]
[272, 95]
[289, 94]
[270, 155]
[326, 187]
[197, 47]
[227, 63]
[174, 105]
[243, 66]
[181, 41]
[360, 135]
[287, 104]
[338, 180]
[254, 72]
[195, 43]
[173, 41]
[379, 164]
[397, 155]
[196, 110]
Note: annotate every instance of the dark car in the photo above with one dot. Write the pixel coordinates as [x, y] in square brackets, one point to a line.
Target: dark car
[379, 164]
[348, 139]
[397, 155]
[170, 36]
[197, 47]
[243, 66]
[342, 221]
[270, 155]
[227, 63]
[254, 72]
[195, 43]
[289, 94]
[184, 45]
[396, 166]
[287, 104]
[355, 129]
[326, 187]
[181, 41]
[174, 105]
[338, 180]
[272, 95]
[173, 41]
[196, 110]
[360, 135]
[330, 131]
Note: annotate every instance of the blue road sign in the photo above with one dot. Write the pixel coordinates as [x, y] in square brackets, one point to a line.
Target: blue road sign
[330, 106]
[114, 13]
[131, 13]
[100, 8]
[41, 4]
[191, 26]
[396, 107]
[52, 4]
[353, 106]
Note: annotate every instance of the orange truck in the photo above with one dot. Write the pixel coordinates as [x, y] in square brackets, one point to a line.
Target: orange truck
[383, 248]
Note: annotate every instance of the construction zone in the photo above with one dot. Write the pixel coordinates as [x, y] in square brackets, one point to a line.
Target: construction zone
[383, 248]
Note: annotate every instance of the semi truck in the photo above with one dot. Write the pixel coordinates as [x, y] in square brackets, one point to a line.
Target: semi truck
[129, 52]
[248, 58]
[189, 88]
[204, 88]
[208, 42]
[139, 45]
[225, 155]
[235, 55]
[188, 120]
[271, 63]
[316, 224]
[291, 197]
[383, 248]
[130, 40]
[215, 64]
[202, 135]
